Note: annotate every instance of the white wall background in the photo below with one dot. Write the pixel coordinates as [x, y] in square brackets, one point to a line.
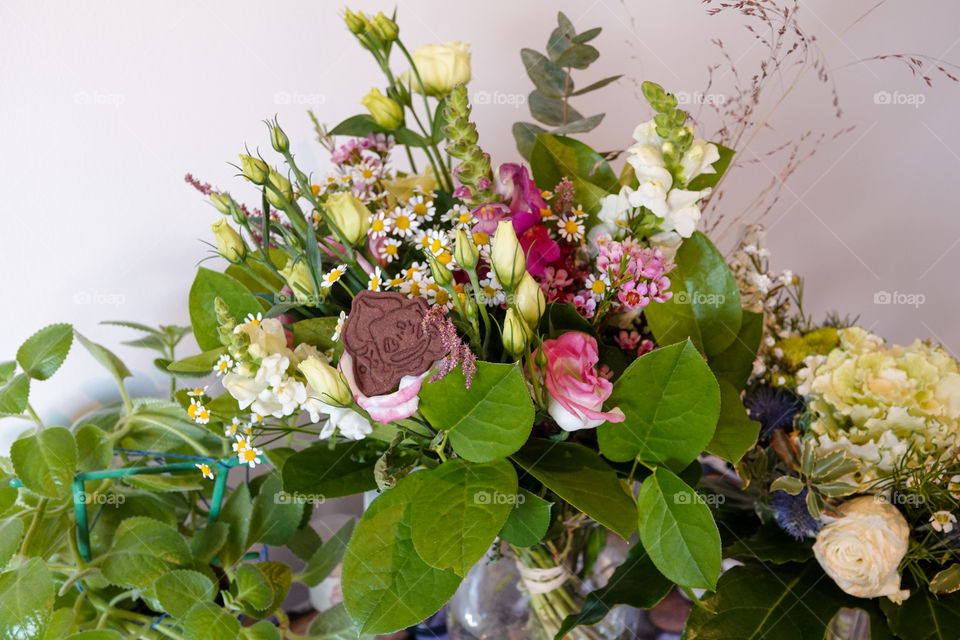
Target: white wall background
[107, 104]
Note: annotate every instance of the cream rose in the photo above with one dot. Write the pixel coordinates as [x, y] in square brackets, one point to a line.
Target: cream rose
[441, 67]
[862, 549]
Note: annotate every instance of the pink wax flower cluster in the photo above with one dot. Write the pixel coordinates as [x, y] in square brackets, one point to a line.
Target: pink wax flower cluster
[354, 150]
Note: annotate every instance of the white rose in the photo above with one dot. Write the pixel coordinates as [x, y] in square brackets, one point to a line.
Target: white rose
[441, 67]
[862, 550]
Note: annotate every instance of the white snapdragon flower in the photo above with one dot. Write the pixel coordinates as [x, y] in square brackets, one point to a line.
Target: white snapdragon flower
[699, 159]
[351, 424]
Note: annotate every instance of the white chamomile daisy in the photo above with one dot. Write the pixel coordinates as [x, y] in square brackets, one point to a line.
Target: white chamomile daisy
[339, 328]
[460, 217]
[389, 250]
[546, 195]
[375, 281]
[943, 521]
[255, 320]
[250, 457]
[332, 276]
[493, 295]
[579, 212]
[597, 285]
[242, 444]
[248, 429]
[380, 224]
[422, 208]
[231, 429]
[482, 240]
[570, 228]
[256, 418]
[205, 470]
[439, 296]
[405, 224]
[223, 365]
[437, 242]
[953, 486]
[198, 412]
[367, 172]
[197, 392]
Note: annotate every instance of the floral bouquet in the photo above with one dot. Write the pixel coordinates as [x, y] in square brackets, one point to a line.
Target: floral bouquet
[525, 362]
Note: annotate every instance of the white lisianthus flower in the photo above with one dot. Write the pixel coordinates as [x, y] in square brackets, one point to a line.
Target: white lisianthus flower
[441, 67]
[698, 159]
[862, 549]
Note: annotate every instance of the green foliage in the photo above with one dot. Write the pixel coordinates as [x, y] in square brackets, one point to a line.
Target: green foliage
[207, 286]
[554, 157]
[143, 550]
[27, 597]
[736, 433]
[43, 352]
[178, 590]
[551, 74]
[671, 402]
[332, 471]
[325, 559]
[488, 421]
[528, 521]
[46, 462]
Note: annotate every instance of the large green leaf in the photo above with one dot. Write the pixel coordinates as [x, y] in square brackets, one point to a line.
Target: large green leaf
[787, 602]
[735, 363]
[205, 543]
[46, 461]
[358, 126]
[459, 510]
[236, 513]
[924, 616]
[325, 559]
[582, 478]
[263, 630]
[276, 514]
[207, 286]
[279, 576]
[180, 589]
[386, 585]
[207, 621]
[143, 550]
[11, 534]
[43, 352]
[332, 472]
[678, 531]
[671, 402]
[334, 624]
[317, 332]
[200, 363]
[635, 583]
[26, 601]
[770, 544]
[529, 520]
[252, 587]
[97, 634]
[554, 157]
[14, 395]
[705, 306]
[490, 420]
[736, 433]
[94, 448]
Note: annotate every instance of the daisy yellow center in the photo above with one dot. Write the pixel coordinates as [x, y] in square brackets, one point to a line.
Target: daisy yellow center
[415, 288]
[367, 174]
[545, 213]
[570, 226]
[442, 297]
[376, 225]
[204, 469]
[374, 285]
[420, 209]
[403, 223]
[465, 217]
[436, 245]
[480, 238]
[598, 286]
[255, 322]
[490, 292]
[222, 366]
[241, 444]
[204, 414]
[390, 249]
[193, 410]
[249, 454]
[444, 257]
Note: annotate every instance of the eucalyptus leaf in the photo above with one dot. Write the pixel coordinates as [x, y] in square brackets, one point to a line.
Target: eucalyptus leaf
[580, 126]
[525, 133]
[551, 111]
[578, 56]
[43, 352]
[549, 79]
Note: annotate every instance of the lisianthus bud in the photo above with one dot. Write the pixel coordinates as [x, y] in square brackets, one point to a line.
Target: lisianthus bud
[229, 243]
[386, 27]
[221, 201]
[356, 23]
[298, 279]
[465, 251]
[279, 139]
[509, 263]
[530, 301]
[386, 113]
[441, 274]
[279, 192]
[441, 67]
[514, 334]
[350, 216]
[254, 169]
[328, 383]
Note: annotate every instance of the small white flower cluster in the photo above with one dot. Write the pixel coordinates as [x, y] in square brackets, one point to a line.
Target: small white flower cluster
[676, 207]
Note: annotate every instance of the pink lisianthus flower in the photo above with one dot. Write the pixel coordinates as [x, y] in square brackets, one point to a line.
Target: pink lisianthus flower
[398, 405]
[577, 391]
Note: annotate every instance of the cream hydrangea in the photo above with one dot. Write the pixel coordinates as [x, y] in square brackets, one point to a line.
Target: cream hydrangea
[884, 405]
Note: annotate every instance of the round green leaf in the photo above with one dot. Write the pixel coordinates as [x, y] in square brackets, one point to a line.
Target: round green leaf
[386, 585]
[179, 590]
[344, 469]
[279, 576]
[94, 448]
[207, 621]
[458, 512]
[252, 587]
[14, 394]
[143, 550]
[43, 352]
[678, 531]
[26, 595]
[528, 521]
[207, 286]
[490, 420]
[266, 630]
[671, 402]
[275, 515]
[736, 433]
[46, 462]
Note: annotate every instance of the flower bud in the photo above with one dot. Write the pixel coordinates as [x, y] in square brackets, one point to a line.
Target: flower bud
[441, 67]
[387, 28]
[279, 139]
[328, 383]
[279, 191]
[356, 23]
[229, 243]
[298, 279]
[254, 169]
[221, 201]
[514, 334]
[465, 251]
[350, 216]
[509, 263]
[470, 308]
[441, 274]
[530, 301]
[386, 113]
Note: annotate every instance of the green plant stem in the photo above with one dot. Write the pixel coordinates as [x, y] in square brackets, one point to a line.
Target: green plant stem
[34, 525]
[34, 416]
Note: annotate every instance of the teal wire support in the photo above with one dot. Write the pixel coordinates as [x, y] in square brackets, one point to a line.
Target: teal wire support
[80, 511]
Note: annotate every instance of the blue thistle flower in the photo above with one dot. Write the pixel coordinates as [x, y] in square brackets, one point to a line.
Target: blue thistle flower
[792, 514]
[773, 408]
